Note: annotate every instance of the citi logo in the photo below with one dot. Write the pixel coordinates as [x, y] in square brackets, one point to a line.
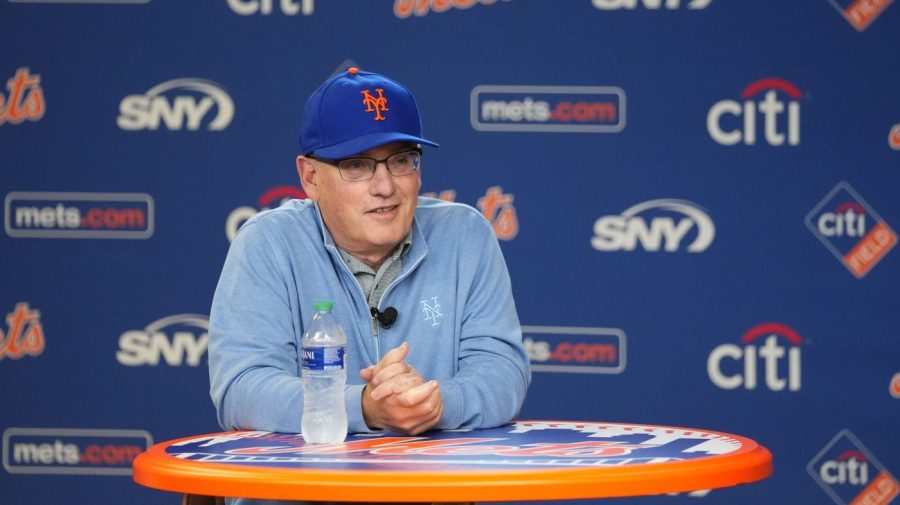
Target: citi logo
[609, 5]
[850, 467]
[179, 104]
[176, 339]
[731, 366]
[860, 13]
[657, 225]
[847, 220]
[270, 199]
[266, 7]
[894, 137]
[730, 122]
[850, 474]
[851, 229]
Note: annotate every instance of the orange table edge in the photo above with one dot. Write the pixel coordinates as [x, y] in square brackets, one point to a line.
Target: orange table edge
[156, 469]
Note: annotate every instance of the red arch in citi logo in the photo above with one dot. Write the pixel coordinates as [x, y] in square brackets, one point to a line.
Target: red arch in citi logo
[273, 197]
[746, 360]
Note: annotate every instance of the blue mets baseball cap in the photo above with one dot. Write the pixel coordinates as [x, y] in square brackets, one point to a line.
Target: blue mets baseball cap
[355, 111]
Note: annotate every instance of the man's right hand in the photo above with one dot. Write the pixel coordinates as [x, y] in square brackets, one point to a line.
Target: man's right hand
[397, 397]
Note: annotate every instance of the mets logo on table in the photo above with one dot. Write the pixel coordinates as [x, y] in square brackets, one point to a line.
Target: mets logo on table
[851, 229]
[850, 474]
[523, 444]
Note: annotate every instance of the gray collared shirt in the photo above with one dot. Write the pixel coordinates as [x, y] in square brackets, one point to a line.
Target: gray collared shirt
[374, 283]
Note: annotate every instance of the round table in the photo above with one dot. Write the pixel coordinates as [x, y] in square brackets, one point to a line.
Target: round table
[522, 461]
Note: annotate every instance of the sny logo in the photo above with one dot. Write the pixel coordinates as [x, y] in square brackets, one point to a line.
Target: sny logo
[270, 199]
[195, 99]
[25, 100]
[745, 359]
[376, 105]
[24, 335]
[144, 347]
[851, 229]
[724, 118]
[623, 232]
[432, 310]
[850, 474]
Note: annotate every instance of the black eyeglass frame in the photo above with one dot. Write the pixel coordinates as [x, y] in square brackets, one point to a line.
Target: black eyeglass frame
[336, 163]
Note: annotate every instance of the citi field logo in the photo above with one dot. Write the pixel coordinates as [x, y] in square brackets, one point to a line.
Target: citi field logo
[179, 339]
[267, 7]
[406, 8]
[666, 225]
[24, 335]
[894, 137]
[860, 13]
[772, 347]
[894, 387]
[769, 103]
[78, 215]
[851, 229]
[179, 104]
[651, 4]
[25, 101]
[72, 451]
[496, 206]
[565, 109]
[575, 350]
[850, 474]
[270, 199]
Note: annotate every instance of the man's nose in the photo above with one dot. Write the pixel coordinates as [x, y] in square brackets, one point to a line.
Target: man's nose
[382, 182]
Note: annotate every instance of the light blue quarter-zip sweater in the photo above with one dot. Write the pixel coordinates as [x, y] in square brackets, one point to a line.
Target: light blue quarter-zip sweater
[453, 296]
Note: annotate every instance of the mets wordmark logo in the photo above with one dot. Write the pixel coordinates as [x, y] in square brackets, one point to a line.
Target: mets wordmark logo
[851, 229]
[375, 104]
[850, 474]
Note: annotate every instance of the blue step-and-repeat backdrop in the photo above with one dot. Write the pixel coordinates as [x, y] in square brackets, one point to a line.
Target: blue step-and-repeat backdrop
[697, 200]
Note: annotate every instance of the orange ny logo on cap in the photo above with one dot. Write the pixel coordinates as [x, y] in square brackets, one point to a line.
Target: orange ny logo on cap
[375, 104]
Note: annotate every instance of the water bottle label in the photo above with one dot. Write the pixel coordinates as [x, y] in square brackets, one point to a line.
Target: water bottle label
[323, 358]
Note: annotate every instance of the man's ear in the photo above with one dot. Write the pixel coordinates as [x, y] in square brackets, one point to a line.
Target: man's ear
[308, 172]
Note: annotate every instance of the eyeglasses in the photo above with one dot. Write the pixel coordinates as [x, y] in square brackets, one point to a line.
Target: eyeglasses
[362, 168]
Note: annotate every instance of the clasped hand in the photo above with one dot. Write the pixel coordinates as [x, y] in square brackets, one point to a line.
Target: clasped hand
[397, 397]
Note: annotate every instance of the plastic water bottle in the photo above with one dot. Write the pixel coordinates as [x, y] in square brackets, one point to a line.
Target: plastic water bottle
[324, 344]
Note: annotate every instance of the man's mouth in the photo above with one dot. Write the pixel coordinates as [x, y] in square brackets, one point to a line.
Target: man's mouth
[383, 210]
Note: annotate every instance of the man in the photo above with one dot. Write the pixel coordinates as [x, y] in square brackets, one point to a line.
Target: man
[453, 355]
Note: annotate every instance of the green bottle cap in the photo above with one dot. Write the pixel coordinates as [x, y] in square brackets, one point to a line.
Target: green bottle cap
[323, 306]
